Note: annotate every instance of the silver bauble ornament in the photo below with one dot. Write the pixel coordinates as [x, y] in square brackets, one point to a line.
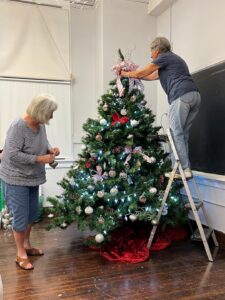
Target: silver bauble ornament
[105, 107]
[134, 123]
[153, 190]
[114, 191]
[112, 173]
[101, 220]
[154, 222]
[103, 122]
[98, 137]
[130, 136]
[123, 112]
[142, 199]
[88, 210]
[99, 238]
[78, 210]
[100, 194]
[91, 188]
[50, 216]
[133, 217]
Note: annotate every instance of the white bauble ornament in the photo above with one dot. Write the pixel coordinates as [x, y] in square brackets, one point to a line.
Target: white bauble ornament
[5, 221]
[91, 188]
[114, 191]
[142, 199]
[133, 98]
[83, 147]
[105, 107]
[99, 238]
[123, 112]
[152, 160]
[101, 207]
[88, 210]
[123, 175]
[153, 190]
[50, 216]
[98, 137]
[78, 210]
[154, 222]
[133, 217]
[103, 122]
[112, 173]
[130, 136]
[134, 123]
[100, 194]
[63, 225]
[101, 220]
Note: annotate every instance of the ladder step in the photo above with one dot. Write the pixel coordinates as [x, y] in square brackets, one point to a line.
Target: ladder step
[197, 237]
[198, 205]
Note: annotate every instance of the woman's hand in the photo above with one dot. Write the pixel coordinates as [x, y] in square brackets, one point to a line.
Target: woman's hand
[54, 151]
[45, 159]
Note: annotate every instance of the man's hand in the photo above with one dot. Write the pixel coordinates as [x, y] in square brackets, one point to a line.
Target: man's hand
[45, 159]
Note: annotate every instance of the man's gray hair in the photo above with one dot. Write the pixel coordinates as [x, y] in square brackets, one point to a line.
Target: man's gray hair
[161, 43]
[42, 107]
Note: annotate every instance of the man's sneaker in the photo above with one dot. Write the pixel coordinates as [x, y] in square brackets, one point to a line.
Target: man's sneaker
[187, 172]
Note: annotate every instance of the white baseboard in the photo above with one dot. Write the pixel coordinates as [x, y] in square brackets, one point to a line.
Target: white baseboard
[1, 289]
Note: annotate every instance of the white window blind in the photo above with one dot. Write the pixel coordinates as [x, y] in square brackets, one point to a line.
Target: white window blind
[34, 41]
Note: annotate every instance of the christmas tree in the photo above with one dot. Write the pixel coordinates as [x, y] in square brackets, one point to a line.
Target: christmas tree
[119, 176]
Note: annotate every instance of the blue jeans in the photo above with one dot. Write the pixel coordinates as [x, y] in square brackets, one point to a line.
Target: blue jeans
[22, 202]
[182, 112]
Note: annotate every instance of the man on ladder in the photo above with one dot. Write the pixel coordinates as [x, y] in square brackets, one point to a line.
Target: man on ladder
[184, 100]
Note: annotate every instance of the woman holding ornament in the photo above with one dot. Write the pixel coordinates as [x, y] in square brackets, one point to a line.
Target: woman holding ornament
[22, 170]
[183, 95]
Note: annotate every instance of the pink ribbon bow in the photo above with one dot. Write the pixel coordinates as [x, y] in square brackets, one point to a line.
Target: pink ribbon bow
[97, 175]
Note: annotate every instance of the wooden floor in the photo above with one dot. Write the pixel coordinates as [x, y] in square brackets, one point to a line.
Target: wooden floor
[68, 270]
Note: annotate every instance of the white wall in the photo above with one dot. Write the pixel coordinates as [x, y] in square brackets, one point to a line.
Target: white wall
[197, 30]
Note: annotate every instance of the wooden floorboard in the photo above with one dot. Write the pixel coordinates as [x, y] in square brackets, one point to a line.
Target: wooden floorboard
[68, 270]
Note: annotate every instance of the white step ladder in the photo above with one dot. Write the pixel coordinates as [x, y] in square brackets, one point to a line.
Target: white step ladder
[203, 232]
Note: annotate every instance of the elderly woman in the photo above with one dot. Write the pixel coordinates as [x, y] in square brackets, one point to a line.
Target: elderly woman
[22, 170]
[182, 93]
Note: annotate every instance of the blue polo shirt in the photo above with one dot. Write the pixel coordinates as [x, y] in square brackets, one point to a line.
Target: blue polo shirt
[174, 75]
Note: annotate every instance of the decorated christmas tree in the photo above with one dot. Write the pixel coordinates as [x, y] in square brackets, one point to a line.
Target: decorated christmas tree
[119, 177]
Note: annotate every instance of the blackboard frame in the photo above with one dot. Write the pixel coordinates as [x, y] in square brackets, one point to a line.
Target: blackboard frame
[207, 135]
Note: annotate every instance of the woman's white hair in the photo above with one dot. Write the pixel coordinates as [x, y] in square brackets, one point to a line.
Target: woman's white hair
[161, 43]
[42, 107]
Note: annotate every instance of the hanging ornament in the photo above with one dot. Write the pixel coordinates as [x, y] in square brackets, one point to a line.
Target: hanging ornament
[143, 102]
[153, 190]
[50, 216]
[88, 210]
[101, 220]
[75, 166]
[112, 173]
[142, 199]
[154, 222]
[105, 107]
[63, 225]
[101, 207]
[98, 137]
[99, 238]
[133, 98]
[103, 122]
[114, 191]
[134, 123]
[138, 163]
[94, 155]
[100, 194]
[91, 188]
[130, 136]
[133, 217]
[152, 160]
[83, 147]
[123, 175]
[165, 210]
[78, 210]
[123, 112]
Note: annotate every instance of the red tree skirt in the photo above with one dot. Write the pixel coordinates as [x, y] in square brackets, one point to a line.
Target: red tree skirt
[127, 245]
